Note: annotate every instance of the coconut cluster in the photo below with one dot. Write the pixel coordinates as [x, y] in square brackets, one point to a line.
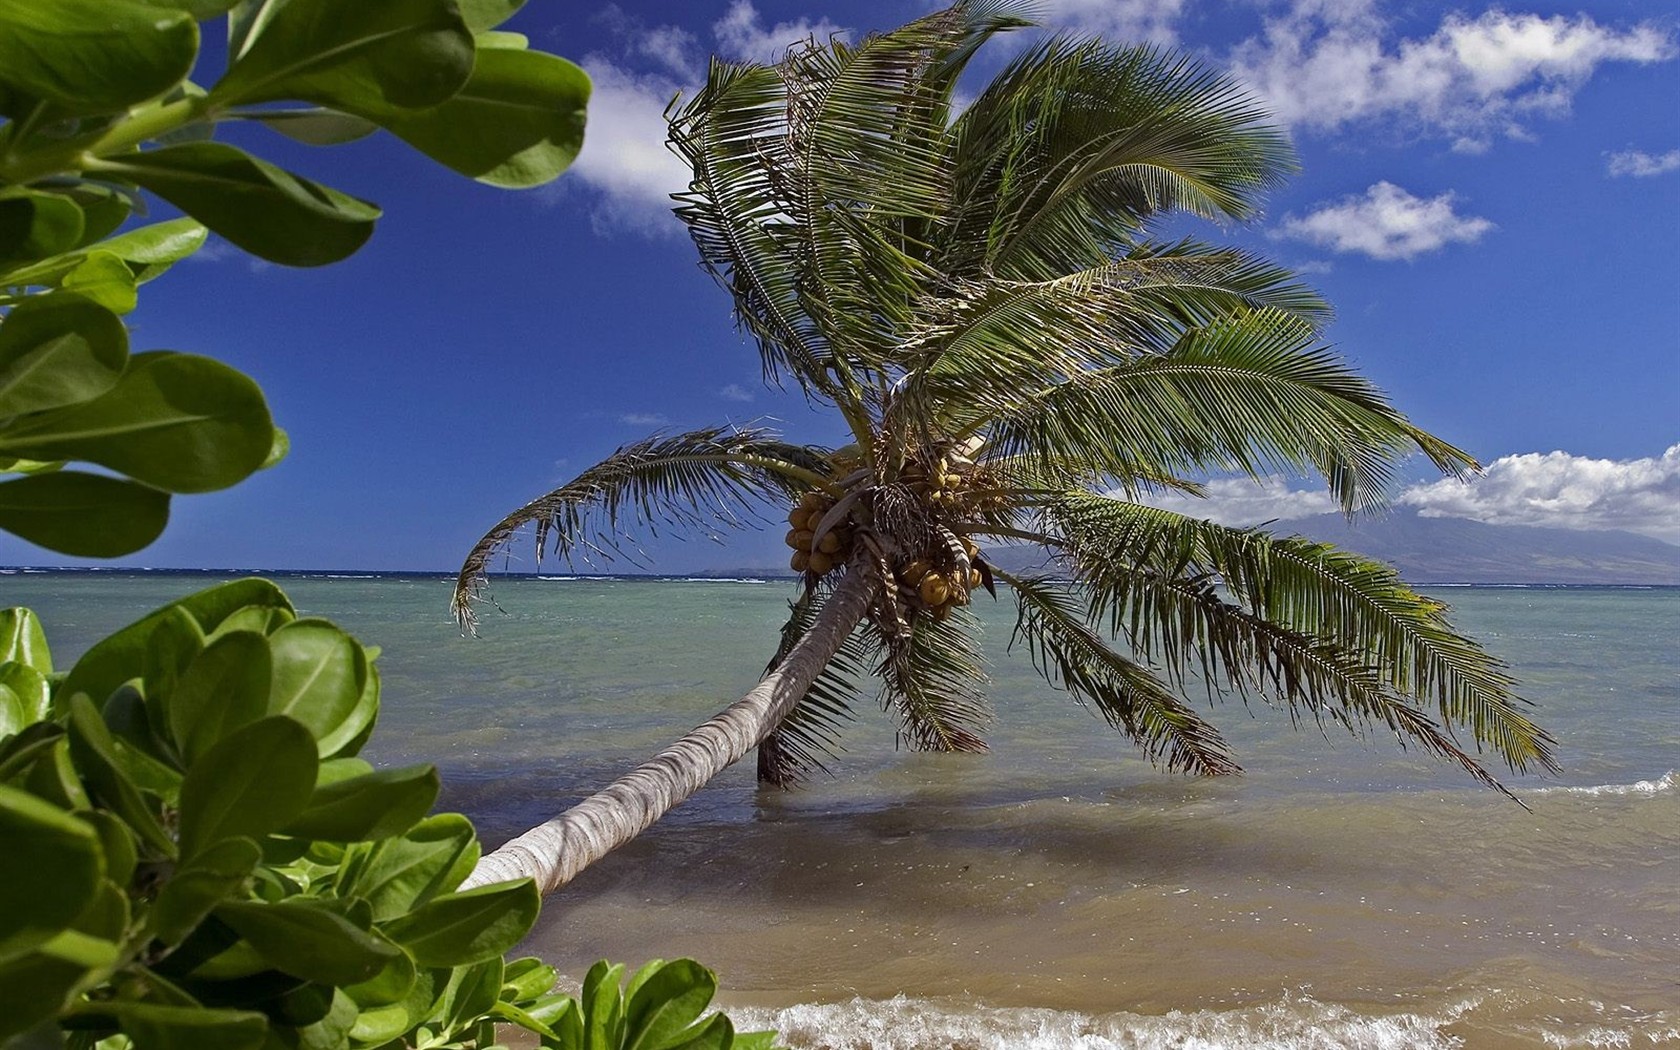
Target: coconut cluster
[940, 587]
[812, 553]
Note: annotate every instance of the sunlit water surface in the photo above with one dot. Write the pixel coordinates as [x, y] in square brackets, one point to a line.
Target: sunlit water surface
[1057, 892]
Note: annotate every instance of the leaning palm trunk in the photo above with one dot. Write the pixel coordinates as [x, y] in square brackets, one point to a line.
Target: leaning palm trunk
[555, 852]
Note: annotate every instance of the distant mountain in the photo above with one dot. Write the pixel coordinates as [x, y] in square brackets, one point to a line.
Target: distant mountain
[1455, 550]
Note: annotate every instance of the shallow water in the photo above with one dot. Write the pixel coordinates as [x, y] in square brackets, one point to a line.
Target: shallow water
[1057, 892]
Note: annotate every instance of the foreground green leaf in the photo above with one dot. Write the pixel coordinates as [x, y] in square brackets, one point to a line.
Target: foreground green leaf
[58, 349]
[253, 781]
[263, 209]
[94, 56]
[50, 869]
[86, 515]
[178, 422]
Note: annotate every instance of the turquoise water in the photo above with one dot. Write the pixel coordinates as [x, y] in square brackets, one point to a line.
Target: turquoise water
[1056, 892]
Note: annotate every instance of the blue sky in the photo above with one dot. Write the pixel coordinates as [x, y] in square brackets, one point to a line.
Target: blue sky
[1490, 198]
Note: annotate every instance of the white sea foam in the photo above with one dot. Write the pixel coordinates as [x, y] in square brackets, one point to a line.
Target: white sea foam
[1665, 783]
[1294, 1023]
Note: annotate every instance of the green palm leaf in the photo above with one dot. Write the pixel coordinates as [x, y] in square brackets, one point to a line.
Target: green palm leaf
[1249, 394]
[1322, 624]
[933, 679]
[1069, 654]
[811, 731]
[697, 480]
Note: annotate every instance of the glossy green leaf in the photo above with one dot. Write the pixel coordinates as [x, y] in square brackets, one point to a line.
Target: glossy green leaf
[603, 1004]
[22, 639]
[116, 845]
[265, 210]
[754, 1041]
[200, 884]
[95, 755]
[159, 243]
[154, 1027]
[308, 939]
[664, 1005]
[53, 778]
[225, 687]
[458, 929]
[372, 806]
[517, 122]
[255, 780]
[15, 465]
[397, 875]
[489, 41]
[528, 978]
[471, 993]
[104, 278]
[483, 15]
[199, 9]
[391, 985]
[37, 225]
[34, 988]
[32, 689]
[177, 422]
[139, 746]
[718, 1033]
[58, 349]
[50, 871]
[315, 126]
[94, 56]
[321, 679]
[122, 656]
[87, 515]
[365, 59]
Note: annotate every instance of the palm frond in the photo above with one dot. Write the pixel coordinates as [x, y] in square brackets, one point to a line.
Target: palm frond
[811, 731]
[933, 679]
[1069, 153]
[693, 481]
[1250, 394]
[1070, 655]
[975, 349]
[1321, 625]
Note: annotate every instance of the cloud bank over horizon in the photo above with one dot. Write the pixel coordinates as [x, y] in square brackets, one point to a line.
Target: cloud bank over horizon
[1551, 490]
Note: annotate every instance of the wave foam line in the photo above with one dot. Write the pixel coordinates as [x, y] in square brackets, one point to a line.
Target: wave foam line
[1295, 1023]
[1667, 782]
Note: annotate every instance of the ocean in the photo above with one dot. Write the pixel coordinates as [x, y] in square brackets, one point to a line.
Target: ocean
[1056, 892]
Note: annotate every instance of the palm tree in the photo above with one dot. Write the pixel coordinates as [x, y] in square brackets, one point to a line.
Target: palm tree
[982, 299]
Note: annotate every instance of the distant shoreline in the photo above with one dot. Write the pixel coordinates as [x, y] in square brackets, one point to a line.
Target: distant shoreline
[648, 577]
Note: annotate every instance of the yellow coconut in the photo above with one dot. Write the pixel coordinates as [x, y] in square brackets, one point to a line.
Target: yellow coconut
[830, 543]
[799, 517]
[913, 572]
[801, 561]
[975, 578]
[802, 539]
[940, 612]
[953, 480]
[811, 499]
[792, 538]
[934, 589]
[821, 563]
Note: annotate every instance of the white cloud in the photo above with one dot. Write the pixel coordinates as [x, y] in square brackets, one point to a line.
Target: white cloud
[1386, 223]
[1118, 21]
[735, 392]
[1561, 490]
[741, 33]
[1325, 65]
[624, 155]
[1241, 501]
[644, 419]
[1642, 165]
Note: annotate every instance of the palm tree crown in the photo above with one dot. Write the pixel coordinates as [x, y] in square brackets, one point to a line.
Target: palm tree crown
[982, 297]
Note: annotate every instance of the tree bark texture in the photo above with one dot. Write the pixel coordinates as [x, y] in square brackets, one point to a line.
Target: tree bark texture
[555, 852]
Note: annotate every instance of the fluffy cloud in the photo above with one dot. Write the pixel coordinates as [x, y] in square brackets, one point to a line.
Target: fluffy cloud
[742, 35]
[736, 392]
[1129, 21]
[1564, 491]
[1325, 65]
[1642, 165]
[1386, 222]
[624, 157]
[1240, 501]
